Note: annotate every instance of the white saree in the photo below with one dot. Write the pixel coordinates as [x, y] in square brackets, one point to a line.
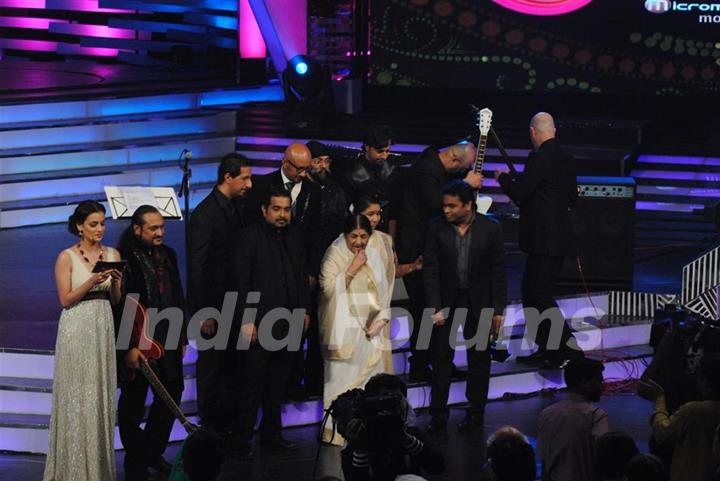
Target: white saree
[351, 359]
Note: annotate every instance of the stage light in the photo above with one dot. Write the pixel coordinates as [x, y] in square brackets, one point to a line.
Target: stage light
[301, 68]
[304, 78]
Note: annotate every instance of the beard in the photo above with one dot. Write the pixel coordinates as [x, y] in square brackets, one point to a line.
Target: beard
[320, 176]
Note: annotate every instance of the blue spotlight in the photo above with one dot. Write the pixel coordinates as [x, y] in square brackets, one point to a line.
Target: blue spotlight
[301, 68]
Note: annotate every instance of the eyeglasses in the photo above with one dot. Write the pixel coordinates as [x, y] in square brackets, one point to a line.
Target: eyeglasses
[299, 170]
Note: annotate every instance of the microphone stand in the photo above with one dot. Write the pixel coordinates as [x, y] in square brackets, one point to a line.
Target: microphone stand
[184, 164]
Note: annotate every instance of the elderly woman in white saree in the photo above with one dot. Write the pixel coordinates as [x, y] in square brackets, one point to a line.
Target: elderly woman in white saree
[356, 278]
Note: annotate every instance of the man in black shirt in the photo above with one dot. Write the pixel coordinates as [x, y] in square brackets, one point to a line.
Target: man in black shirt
[212, 228]
[270, 261]
[545, 191]
[421, 201]
[464, 274]
[153, 274]
[373, 174]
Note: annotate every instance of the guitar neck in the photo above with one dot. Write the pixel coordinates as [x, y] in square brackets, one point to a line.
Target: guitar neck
[165, 396]
[480, 158]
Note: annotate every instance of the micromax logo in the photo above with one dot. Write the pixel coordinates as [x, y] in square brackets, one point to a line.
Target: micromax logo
[657, 6]
[663, 6]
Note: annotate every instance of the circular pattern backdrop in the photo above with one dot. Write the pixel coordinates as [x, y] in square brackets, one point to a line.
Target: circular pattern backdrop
[543, 7]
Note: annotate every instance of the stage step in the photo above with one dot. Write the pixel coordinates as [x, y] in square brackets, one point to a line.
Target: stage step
[28, 432]
[56, 153]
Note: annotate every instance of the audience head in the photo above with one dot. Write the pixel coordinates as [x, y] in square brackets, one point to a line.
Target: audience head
[385, 383]
[376, 143]
[613, 451]
[458, 202]
[296, 162]
[148, 225]
[88, 221]
[511, 456]
[277, 207]
[234, 175]
[645, 467]
[357, 231]
[458, 158]
[370, 208]
[203, 455]
[320, 163]
[710, 375]
[585, 376]
[542, 128]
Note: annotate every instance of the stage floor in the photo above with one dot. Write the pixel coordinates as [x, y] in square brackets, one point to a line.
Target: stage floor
[29, 308]
[465, 452]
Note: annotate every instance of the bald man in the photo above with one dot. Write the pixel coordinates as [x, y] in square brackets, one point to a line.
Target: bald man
[293, 176]
[545, 191]
[421, 201]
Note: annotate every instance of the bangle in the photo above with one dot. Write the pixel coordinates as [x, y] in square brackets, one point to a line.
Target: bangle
[350, 275]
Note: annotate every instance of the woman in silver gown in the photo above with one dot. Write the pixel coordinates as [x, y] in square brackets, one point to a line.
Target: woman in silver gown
[82, 423]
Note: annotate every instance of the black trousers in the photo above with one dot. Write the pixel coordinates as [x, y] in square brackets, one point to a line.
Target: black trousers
[215, 374]
[415, 288]
[442, 353]
[143, 446]
[263, 377]
[537, 289]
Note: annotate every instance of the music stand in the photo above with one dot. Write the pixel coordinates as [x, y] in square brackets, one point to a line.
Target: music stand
[124, 200]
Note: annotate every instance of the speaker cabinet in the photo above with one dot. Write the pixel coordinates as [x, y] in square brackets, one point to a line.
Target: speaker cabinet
[604, 232]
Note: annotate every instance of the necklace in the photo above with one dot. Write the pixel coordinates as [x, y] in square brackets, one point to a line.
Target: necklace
[82, 253]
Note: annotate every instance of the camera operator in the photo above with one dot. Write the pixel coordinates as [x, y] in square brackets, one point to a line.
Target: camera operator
[381, 443]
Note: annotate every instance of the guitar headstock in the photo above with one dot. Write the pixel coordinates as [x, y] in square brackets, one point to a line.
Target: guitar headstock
[484, 120]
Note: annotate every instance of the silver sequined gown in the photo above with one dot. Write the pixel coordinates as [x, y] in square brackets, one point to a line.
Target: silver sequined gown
[82, 424]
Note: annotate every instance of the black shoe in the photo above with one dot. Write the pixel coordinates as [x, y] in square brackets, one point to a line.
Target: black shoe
[279, 442]
[436, 426]
[471, 423]
[420, 374]
[555, 363]
[161, 466]
[537, 357]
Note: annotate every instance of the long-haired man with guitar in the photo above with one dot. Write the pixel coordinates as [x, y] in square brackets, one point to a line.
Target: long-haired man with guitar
[545, 191]
[153, 274]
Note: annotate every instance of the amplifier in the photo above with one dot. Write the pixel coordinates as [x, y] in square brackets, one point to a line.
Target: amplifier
[604, 234]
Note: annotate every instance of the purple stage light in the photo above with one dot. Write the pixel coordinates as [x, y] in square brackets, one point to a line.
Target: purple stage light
[31, 45]
[251, 41]
[666, 206]
[669, 159]
[672, 175]
[91, 30]
[22, 3]
[28, 23]
[678, 191]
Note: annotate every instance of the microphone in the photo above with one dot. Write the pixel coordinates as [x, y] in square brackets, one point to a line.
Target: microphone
[188, 154]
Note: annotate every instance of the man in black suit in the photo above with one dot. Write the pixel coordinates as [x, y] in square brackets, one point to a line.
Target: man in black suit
[211, 231]
[421, 201]
[545, 191]
[293, 176]
[373, 174]
[269, 260]
[463, 270]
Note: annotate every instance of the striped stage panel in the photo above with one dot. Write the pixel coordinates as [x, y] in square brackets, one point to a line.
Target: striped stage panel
[706, 304]
[637, 304]
[701, 275]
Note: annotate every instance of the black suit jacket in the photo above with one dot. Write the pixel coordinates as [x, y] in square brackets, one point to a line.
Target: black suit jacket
[545, 191]
[257, 266]
[306, 214]
[211, 231]
[421, 201]
[486, 276]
